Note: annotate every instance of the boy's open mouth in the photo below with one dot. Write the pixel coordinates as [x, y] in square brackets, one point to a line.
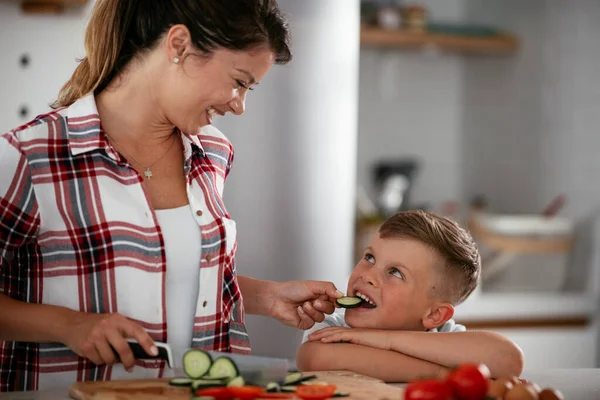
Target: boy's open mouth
[367, 301]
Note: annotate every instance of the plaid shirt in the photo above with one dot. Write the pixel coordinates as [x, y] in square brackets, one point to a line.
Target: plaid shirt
[77, 230]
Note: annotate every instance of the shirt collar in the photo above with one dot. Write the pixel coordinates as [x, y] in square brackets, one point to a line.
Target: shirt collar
[86, 134]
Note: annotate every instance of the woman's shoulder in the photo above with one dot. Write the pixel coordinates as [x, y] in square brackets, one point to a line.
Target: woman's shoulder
[216, 145]
[211, 137]
[38, 128]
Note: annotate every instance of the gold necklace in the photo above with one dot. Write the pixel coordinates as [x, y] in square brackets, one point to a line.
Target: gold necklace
[147, 172]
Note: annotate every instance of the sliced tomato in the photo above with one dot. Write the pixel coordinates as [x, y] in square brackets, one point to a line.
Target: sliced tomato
[246, 392]
[219, 393]
[275, 395]
[315, 392]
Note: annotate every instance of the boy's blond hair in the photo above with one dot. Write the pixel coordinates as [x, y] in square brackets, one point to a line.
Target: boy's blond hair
[462, 268]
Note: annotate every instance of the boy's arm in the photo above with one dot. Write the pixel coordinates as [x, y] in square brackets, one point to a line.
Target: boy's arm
[389, 366]
[501, 355]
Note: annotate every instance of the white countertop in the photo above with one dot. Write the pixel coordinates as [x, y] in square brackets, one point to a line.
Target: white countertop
[486, 306]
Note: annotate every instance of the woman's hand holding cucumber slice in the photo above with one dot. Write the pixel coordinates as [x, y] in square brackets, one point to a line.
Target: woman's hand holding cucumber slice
[296, 303]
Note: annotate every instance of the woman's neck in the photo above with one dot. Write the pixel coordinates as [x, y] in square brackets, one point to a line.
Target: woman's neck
[130, 112]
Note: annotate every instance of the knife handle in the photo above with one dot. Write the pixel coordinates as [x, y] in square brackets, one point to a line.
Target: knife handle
[164, 352]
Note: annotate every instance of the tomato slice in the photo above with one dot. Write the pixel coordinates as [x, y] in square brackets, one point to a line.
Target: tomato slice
[219, 393]
[315, 392]
[246, 392]
[275, 395]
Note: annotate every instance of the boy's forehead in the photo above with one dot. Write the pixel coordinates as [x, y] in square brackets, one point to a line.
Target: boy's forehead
[409, 252]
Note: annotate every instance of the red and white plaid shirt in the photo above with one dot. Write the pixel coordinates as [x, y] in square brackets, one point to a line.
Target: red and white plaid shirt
[77, 230]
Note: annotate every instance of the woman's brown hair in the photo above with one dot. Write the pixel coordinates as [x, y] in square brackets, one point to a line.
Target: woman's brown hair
[121, 29]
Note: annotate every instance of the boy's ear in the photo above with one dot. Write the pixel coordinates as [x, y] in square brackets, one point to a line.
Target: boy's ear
[437, 315]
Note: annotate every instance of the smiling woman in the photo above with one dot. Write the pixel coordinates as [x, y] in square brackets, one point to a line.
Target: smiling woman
[112, 222]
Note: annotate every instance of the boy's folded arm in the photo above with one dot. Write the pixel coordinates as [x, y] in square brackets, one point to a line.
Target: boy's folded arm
[502, 356]
[389, 366]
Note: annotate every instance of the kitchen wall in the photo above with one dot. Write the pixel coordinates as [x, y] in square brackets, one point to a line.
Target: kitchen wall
[530, 121]
[411, 105]
[51, 43]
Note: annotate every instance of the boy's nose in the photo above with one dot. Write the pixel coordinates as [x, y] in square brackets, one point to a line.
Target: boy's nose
[370, 277]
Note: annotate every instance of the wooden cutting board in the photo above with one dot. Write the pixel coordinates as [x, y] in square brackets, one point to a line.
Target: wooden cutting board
[359, 387]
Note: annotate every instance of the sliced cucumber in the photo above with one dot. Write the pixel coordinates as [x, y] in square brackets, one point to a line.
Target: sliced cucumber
[288, 388]
[237, 381]
[349, 301]
[293, 378]
[180, 382]
[308, 378]
[196, 363]
[223, 368]
[341, 394]
[273, 387]
[204, 383]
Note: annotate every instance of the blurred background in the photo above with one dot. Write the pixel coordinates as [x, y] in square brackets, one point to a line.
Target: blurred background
[485, 111]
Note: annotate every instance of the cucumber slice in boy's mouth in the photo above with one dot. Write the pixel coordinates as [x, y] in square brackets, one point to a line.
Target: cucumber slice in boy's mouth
[350, 302]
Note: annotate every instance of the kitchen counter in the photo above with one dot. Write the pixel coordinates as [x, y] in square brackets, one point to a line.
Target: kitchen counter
[489, 306]
[575, 384]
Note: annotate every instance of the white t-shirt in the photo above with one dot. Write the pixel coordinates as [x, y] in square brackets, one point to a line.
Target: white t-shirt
[182, 237]
[337, 319]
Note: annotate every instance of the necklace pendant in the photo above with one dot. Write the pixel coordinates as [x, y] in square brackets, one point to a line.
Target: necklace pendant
[148, 173]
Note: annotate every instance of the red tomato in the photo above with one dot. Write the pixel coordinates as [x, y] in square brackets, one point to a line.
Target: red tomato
[315, 392]
[219, 393]
[469, 381]
[246, 392]
[428, 389]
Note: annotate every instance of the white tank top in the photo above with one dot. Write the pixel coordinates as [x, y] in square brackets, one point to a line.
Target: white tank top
[182, 238]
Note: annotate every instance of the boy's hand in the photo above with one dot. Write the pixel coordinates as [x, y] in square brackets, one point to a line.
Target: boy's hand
[365, 337]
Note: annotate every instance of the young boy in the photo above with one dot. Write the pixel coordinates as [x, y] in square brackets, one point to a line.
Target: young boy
[414, 272]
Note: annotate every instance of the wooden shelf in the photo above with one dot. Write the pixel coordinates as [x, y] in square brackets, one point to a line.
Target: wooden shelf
[501, 44]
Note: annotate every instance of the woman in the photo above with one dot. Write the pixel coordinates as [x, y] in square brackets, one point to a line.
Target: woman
[111, 216]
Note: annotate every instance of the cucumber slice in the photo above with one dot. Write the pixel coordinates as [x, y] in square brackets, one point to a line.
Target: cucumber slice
[237, 381]
[196, 363]
[180, 382]
[204, 383]
[272, 387]
[293, 378]
[341, 394]
[308, 378]
[288, 388]
[223, 368]
[349, 301]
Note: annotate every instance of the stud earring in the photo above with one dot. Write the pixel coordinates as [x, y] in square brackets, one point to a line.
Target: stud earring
[176, 60]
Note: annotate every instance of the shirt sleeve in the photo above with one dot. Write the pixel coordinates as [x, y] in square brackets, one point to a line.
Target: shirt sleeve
[19, 213]
[335, 319]
[450, 326]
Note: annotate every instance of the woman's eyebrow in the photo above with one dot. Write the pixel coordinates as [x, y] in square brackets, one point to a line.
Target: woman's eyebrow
[250, 76]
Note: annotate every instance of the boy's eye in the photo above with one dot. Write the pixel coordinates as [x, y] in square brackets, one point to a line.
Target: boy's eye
[369, 258]
[396, 272]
